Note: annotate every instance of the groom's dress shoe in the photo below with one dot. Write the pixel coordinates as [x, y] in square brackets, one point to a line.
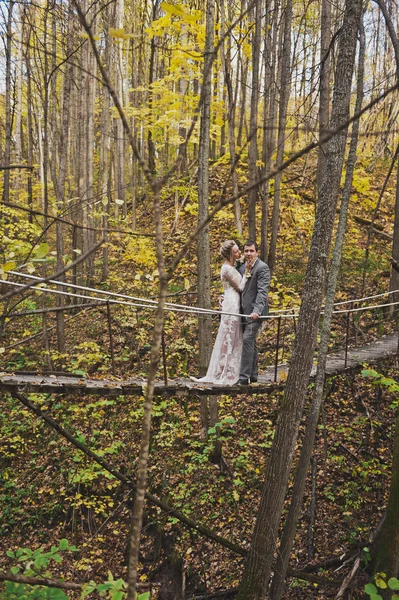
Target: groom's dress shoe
[242, 381]
[253, 379]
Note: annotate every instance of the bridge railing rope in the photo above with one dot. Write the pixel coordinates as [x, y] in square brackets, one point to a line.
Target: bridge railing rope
[351, 318]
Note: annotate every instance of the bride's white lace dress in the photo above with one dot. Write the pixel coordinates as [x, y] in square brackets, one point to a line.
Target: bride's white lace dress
[224, 366]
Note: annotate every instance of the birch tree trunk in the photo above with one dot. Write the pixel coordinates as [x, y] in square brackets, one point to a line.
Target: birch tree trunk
[45, 168]
[242, 67]
[394, 280]
[151, 79]
[87, 216]
[285, 84]
[269, 116]
[253, 123]
[7, 118]
[225, 56]
[119, 162]
[18, 108]
[105, 134]
[261, 554]
[60, 174]
[203, 253]
[29, 122]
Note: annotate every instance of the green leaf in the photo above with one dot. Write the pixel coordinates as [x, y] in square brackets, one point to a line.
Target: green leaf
[144, 596]
[370, 589]
[103, 587]
[63, 544]
[10, 553]
[88, 588]
[393, 583]
[57, 558]
[41, 251]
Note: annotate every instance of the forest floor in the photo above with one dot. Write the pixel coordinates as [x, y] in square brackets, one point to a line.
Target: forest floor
[49, 490]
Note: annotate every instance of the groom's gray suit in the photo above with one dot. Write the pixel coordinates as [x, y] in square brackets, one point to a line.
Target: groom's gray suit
[253, 300]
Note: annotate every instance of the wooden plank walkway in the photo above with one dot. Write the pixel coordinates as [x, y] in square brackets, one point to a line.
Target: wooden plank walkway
[70, 384]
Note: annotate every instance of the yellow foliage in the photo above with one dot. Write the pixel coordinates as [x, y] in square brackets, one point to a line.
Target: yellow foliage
[172, 9]
[119, 34]
[85, 36]
[141, 252]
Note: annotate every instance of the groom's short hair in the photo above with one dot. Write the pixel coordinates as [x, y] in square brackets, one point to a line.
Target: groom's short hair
[251, 243]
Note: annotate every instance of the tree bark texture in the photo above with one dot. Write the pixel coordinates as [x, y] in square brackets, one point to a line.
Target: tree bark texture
[261, 555]
[285, 84]
[203, 252]
[253, 123]
[387, 559]
[287, 539]
[325, 77]
[7, 117]
[269, 117]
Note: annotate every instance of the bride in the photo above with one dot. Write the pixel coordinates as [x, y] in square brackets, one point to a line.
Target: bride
[224, 366]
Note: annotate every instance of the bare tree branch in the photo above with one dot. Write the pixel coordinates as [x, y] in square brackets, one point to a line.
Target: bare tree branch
[169, 510]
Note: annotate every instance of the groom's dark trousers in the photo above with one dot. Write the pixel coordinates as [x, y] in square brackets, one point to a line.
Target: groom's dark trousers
[253, 300]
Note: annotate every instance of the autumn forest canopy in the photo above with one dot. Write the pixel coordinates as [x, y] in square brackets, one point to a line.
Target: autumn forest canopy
[135, 138]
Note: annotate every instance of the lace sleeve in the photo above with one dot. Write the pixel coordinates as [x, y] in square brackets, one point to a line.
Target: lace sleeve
[231, 275]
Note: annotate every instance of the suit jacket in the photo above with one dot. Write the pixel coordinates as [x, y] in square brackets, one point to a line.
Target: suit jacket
[254, 295]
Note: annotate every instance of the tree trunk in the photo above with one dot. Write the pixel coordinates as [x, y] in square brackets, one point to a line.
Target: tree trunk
[387, 559]
[105, 153]
[203, 253]
[394, 280]
[269, 117]
[242, 65]
[30, 123]
[59, 177]
[287, 538]
[7, 117]
[253, 123]
[151, 79]
[231, 113]
[325, 76]
[19, 82]
[261, 554]
[285, 81]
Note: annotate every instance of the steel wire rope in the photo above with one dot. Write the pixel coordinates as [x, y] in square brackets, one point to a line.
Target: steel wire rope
[121, 302]
[187, 306]
[151, 303]
[189, 309]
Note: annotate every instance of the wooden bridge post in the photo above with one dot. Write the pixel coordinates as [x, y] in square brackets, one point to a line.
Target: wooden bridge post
[348, 314]
[277, 349]
[111, 340]
[165, 372]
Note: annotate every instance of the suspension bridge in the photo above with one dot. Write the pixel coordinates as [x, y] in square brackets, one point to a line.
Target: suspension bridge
[364, 330]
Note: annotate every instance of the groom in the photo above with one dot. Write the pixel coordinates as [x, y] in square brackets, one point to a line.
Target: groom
[254, 304]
